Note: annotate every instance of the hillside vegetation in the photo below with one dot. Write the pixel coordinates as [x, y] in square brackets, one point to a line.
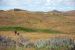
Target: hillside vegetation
[27, 30]
[53, 20]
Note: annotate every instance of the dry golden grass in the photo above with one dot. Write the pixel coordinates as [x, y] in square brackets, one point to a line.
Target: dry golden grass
[35, 36]
[61, 23]
[29, 49]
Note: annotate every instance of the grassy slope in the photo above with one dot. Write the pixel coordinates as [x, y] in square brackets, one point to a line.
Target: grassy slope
[27, 20]
[7, 28]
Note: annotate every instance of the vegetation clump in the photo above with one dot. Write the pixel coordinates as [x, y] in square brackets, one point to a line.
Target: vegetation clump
[47, 44]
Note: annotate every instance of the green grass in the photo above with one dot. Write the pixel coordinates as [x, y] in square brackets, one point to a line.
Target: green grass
[14, 28]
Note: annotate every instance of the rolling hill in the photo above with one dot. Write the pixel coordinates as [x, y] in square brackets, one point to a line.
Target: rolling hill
[54, 20]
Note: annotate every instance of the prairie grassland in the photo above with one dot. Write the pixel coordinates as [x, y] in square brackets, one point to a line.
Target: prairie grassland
[35, 35]
[36, 26]
[39, 20]
[38, 39]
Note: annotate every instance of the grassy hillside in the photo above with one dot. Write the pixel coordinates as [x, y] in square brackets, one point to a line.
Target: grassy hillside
[26, 30]
[38, 20]
[10, 28]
